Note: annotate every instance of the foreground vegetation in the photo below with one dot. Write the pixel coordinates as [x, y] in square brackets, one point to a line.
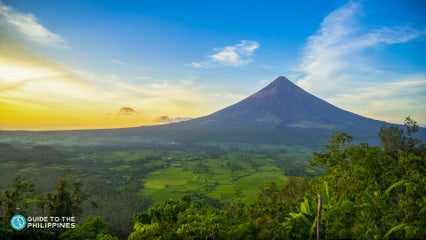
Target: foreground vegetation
[209, 192]
[367, 192]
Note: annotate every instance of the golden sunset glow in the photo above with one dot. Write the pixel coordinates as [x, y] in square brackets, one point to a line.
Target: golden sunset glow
[41, 97]
[69, 69]
[36, 94]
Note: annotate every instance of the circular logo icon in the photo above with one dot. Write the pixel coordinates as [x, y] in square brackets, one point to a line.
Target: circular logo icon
[18, 222]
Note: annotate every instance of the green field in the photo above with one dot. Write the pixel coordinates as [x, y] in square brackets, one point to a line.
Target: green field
[216, 178]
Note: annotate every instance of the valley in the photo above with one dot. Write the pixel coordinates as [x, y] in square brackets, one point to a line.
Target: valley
[123, 180]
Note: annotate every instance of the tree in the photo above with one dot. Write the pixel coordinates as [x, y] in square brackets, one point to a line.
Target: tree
[160, 220]
[93, 229]
[15, 199]
[67, 199]
[13, 202]
[395, 141]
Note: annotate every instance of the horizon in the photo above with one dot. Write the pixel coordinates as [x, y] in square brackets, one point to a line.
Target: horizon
[119, 64]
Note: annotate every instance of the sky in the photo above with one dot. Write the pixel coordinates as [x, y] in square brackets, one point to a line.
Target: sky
[108, 64]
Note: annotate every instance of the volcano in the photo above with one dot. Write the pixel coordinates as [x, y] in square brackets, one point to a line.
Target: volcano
[283, 104]
[280, 111]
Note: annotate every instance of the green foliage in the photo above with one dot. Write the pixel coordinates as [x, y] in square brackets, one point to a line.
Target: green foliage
[368, 192]
[160, 221]
[336, 155]
[403, 231]
[397, 142]
[392, 139]
[305, 213]
[67, 199]
[16, 200]
[102, 236]
[376, 192]
[93, 229]
[184, 219]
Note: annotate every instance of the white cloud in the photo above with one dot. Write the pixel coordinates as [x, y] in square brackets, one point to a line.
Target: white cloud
[167, 119]
[29, 25]
[197, 64]
[335, 65]
[236, 55]
[390, 101]
[336, 48]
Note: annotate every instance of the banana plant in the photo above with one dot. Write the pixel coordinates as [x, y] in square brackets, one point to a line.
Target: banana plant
[307, 213]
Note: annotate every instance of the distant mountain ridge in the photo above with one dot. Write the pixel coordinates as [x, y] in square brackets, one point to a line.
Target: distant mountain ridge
[280, 113]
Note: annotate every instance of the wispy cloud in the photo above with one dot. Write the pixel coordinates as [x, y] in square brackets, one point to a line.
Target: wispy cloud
[335, 64]
[236, 55]
[167, 119]
[337, 47]
[390, 101]
[28, 25]
[119, 62]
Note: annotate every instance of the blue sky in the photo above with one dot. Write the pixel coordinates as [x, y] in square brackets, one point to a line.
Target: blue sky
[130, 63]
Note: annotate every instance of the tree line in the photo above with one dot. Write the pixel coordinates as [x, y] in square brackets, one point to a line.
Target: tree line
[65, 201]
